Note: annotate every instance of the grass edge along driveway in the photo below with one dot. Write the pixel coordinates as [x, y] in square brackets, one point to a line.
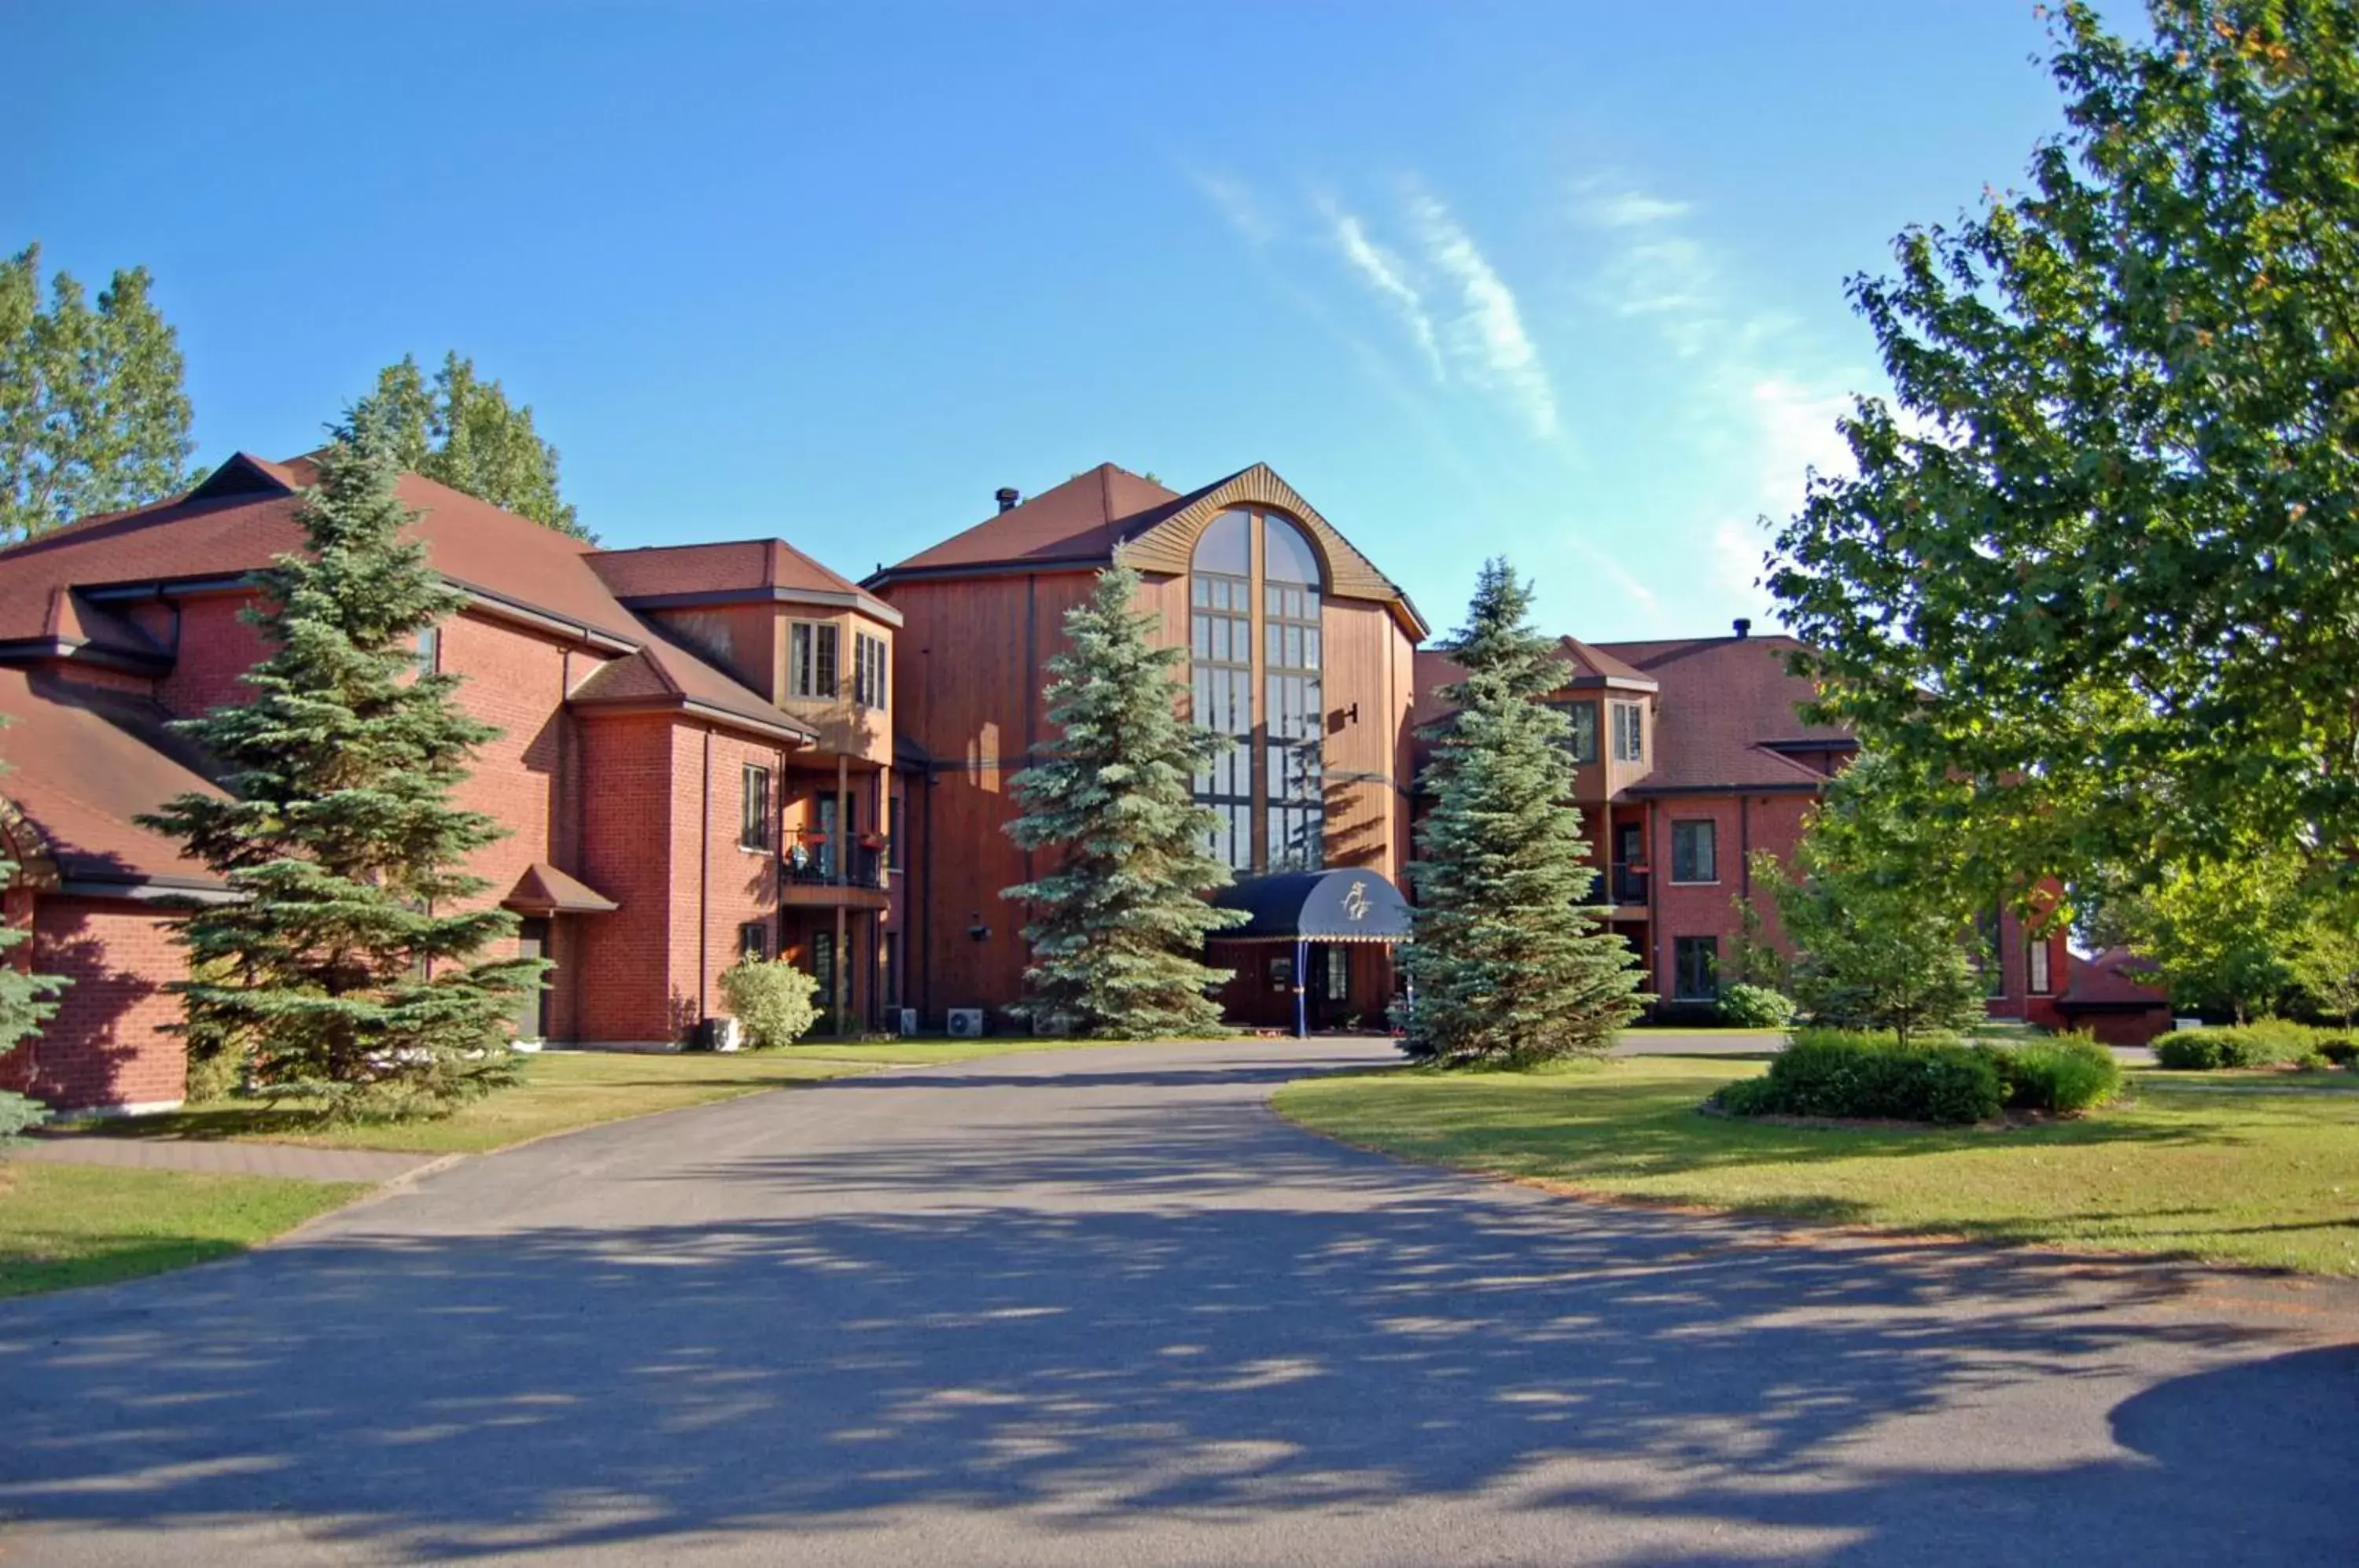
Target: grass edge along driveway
[2234, 1171]
[64, 1226]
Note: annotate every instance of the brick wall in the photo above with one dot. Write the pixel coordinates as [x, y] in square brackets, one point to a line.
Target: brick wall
[106, 1045]
[214, 649]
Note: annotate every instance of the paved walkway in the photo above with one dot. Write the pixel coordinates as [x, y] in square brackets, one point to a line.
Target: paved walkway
[222, 1157]
[1101, 1307]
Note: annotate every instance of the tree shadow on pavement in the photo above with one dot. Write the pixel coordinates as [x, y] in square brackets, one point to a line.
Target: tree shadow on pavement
[1154, 1319]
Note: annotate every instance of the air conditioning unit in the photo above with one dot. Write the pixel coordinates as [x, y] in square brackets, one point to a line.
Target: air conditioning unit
[720, 1034]
[909, 1022]
[966, 1023]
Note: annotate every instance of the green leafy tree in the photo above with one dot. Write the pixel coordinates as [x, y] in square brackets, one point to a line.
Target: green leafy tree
[92, 415]
[2324, 965]
[1118, 921]
[348, 970]
[27, 999]
[463, 432]
[1509, 967]
[1877, 914]
[2221, 934]
[772, 998]
[2095, 558]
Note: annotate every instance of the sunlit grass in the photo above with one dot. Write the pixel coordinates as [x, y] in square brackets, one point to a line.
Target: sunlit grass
[89, 1224]
[2244, 1171]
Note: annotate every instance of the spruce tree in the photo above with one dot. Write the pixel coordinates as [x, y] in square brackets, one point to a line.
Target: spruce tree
[1509, 968]
[26, 1000]
[1119, 921]
[348, 971]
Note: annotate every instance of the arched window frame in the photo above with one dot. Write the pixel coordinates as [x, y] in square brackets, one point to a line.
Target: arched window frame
[1268, 695]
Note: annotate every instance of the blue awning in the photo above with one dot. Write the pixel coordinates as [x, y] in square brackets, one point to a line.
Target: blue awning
[1315, 906]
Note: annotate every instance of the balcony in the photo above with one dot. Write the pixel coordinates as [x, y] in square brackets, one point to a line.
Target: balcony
[810, 876]
[1623, 887]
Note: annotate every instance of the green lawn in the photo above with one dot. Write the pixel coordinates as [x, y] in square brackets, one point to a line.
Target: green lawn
[2232, 1167]
[569, 1089]
[91, 1224]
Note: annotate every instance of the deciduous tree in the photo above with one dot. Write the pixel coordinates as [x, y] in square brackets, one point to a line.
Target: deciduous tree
[350, 968]
[27, 999]
[92, 415]
[2096, 560]
[1508, 964]
[1875, 910]
[463, 432]
[1119, 917]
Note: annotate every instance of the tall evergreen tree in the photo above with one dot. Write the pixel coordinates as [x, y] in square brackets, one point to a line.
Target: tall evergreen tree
[26, 1000]
[1118, 922]
[92, 414]
[1509, 968]
[350, 969]
[463, 432]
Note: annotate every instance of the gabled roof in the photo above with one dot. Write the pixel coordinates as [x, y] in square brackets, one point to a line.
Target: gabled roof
[1109, 513]
[81, 762]
[245, 514]
[1080, 521]
[670, 576]
[2115, 980]
[1724, 708]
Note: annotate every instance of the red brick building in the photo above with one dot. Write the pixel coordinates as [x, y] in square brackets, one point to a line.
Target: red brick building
[708, 750]
[694, 762]
[1692, 755]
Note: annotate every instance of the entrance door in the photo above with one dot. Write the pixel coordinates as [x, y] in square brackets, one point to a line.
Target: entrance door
[532, 1009]
[1629, 850]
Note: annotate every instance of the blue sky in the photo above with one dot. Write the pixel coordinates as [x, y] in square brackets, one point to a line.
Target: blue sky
[1561, 281]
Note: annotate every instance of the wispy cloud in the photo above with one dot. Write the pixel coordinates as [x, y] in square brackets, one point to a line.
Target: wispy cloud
[1387, 275]
[1488, 337]
[1632, 210]
[1239, 206]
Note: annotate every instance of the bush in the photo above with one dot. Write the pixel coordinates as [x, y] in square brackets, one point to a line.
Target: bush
[2064, 1076]
[2270, 1042]
[2340, 1049]
[772, 999]
[1755, 1007]
[1843, 1072]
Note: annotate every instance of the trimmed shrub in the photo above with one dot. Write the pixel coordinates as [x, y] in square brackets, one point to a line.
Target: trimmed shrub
[772, 999]
[2270, 1042]
[1847, 1073]
[1755, 1007]
[2065, 1075]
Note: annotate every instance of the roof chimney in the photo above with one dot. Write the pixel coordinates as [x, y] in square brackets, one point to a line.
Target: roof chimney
[1744, 627]
[1008, 495]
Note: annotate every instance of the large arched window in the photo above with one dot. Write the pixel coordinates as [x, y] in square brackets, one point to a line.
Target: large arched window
[1255, 630]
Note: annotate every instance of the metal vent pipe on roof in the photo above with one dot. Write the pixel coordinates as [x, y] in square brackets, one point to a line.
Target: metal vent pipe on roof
[1008, 495]
[1744, 627]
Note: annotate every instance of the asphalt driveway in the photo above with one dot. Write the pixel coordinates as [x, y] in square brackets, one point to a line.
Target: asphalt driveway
[1103, 1307]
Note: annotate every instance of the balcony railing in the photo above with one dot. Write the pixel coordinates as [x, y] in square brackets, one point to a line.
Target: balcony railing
[858, 866]
[1621, 886]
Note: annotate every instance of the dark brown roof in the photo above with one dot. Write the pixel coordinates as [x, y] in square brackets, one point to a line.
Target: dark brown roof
[715, 572]
[245, 514]
[543, 889]
[2111, 981]
[82, 763]
[1723, 706]
[1723, 703]
[1081, 519]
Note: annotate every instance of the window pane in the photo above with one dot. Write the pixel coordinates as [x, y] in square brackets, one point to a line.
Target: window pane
[1226, 546]
[1286, 554]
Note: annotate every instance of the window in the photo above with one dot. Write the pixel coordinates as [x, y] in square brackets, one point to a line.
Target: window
[1692, 851]
[1220, 636]
[753, 831]
[1281, 974]
[2034, 952]
[1990, 954]
[811, 658]
[1695, 962]
[754, 943]
[1254, 589]
[1583, 741]
[867, 670]
[429, 649]
[1339, 976]
[822, 966]
[1629, 733]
